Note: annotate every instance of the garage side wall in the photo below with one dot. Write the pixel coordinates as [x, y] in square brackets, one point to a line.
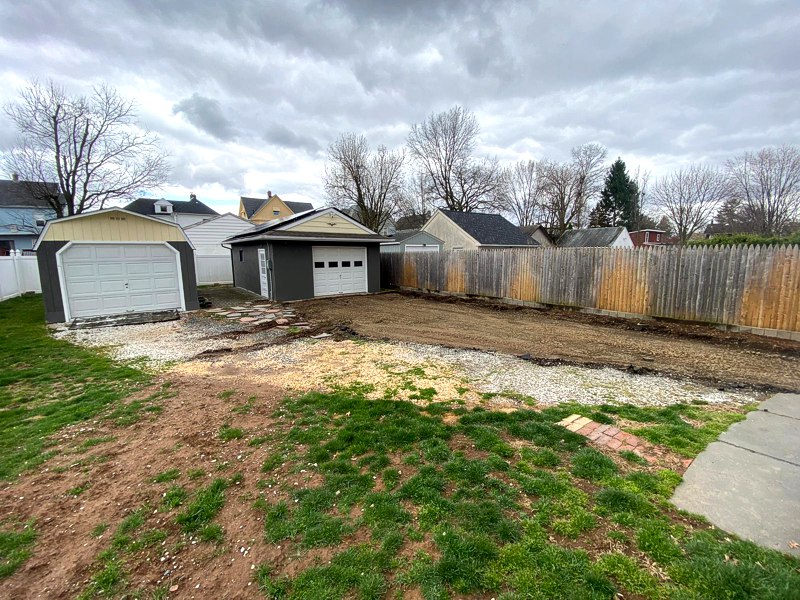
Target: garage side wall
[188, 274]
[245, 266]
[48, 275]
[292, 274]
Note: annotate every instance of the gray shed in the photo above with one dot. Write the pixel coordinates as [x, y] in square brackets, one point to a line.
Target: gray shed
[320, 252]
[412, 240]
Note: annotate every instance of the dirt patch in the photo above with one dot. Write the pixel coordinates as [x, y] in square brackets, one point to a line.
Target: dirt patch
[184, 435]
[698, 352]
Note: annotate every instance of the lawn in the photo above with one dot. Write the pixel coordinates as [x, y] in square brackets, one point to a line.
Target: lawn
[46, 384]
[365, 498]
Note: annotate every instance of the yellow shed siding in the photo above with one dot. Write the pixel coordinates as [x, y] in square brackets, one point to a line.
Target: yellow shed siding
[327, 224]
[264, 214]
[112, 227]
[453, 236]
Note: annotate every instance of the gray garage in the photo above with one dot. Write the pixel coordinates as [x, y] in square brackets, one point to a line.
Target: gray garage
[322, 252]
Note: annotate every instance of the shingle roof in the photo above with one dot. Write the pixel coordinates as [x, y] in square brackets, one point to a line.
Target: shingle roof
[26, 193]
[490, 229]
[297, 207]
[146, 206]
[595, 237]
[251, 205]
[399, 236]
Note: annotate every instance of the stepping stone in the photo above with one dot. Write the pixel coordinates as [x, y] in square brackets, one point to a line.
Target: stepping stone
[321, 336]
[281, 321]
[233, 315]
[247, 319]
[303, 324]
[215, 310]
[282, 327]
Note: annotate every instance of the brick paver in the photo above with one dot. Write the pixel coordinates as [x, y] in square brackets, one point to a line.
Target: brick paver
[615, 439]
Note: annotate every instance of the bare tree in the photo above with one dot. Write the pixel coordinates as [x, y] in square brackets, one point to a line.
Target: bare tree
[370, 182]
[416, 202]
[443, 147]
[523, 192]
[767, 184]
[90, 146]
[688, 197]
[568, 187]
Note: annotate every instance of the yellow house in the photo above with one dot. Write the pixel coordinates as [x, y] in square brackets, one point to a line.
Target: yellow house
[262, 210]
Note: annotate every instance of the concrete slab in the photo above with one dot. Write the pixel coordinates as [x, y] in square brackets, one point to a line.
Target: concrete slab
[748, 482]
[787, 405]
[767, 433]
[753, 496]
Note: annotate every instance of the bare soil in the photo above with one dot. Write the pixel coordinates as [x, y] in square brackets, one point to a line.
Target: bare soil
[555, 336]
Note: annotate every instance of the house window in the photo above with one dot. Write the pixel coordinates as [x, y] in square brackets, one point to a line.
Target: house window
[276, 213]
[658, 237]
[345, 263]
[333, 264]
[162, 209]
[241, 255]
[358, 263]
[319, 265]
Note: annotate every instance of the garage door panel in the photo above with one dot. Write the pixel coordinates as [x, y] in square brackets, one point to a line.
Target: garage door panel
[339, 270]
[105, 279]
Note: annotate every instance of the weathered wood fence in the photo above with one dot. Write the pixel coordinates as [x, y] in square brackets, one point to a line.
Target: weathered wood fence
[748, 286]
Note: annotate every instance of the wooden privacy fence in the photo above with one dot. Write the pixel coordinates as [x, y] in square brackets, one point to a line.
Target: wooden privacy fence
[749, 286]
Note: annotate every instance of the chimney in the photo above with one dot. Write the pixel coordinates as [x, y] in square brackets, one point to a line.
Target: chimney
[15, 177]
[192, 197]
[269, 194]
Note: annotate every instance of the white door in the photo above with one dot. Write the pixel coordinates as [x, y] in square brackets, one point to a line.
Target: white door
[108, 279]
[339, 270]
[263, 272]
[421, 248]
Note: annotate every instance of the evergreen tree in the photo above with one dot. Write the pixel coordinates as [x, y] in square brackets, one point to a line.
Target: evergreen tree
[619, 200]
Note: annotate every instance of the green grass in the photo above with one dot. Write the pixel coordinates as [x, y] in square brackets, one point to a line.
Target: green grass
[493, 493]
[174, 497]
[204, 506]
[46, 384]
[167, 476]
[228, 433]
[16, 546]
[79, 489]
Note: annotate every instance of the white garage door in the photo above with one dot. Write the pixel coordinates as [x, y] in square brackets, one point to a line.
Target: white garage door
[339, 270]
[109, 279]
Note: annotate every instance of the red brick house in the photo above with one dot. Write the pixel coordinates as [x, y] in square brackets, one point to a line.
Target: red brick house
[651, 237]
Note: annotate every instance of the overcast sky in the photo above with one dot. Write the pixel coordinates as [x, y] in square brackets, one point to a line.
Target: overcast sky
[247, 95]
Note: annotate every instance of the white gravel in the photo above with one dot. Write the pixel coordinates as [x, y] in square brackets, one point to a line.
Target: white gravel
[161, 343]
[498, 373]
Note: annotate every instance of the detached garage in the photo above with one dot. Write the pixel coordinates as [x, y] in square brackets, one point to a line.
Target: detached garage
[112, 262]
[321, 252]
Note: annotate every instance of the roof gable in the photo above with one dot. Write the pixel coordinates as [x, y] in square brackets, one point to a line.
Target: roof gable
[327, 223]
[28, 194]
[298, 207]
[489, 229]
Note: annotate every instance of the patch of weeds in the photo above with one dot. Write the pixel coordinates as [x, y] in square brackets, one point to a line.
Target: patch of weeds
[383, 512]
[391, 477]
[148, 539]
[579, 521]
[246, 408]
[316, 527]
[106, 581]
[528, 425]
[487, 438]
[225, 394]
[228, 433]
[489, 395]
[659, 540]
[211, 533]
[166, 476]
[612, 500]
[195, 473]
[543, 484]
[272, 462]
[79, 489]
[426, 394]
[543, 457]
[174, 497]
[435, 450]
[486, 517]
[259, 440]
[16, 544]
[627, 573]
[461, 390]
[205, 505]
[633, 458]
[99, 530]
[465, 559]
[590, 464]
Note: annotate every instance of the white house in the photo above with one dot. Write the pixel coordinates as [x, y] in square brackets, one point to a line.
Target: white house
[182, 212]
[596, 237]
[212, 259]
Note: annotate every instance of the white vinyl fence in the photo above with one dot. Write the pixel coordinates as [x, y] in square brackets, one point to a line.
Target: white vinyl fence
[18, 275]
[213, 268]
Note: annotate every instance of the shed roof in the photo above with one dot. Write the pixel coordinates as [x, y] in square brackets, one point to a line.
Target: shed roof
[489, 229]
[146, 206]
[594, 237]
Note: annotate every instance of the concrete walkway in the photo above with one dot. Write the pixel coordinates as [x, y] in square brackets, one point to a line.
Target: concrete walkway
[748, 481]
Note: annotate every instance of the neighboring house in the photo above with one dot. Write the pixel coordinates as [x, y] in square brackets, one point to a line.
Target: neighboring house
[207, 236]
[472, 231]
[24, 209]
[539, 235]
[263, 210]
[596, 237]
[182, 212]
[323, 252]
[412, 221]
[412, 240]
[114, 261]
[651, 237]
